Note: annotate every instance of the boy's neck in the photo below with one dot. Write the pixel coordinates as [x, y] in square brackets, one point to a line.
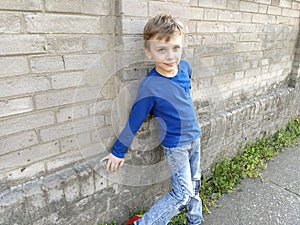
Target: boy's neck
[171, 74]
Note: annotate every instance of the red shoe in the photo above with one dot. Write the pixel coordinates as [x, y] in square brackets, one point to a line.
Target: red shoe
[131, 220]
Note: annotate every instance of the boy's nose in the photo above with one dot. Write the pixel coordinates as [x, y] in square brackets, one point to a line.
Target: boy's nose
[170, 55]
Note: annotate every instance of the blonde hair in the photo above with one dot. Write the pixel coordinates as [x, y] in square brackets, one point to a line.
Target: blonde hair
[161, 26]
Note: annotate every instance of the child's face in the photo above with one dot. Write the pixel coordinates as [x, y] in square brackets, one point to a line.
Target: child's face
[166, 55]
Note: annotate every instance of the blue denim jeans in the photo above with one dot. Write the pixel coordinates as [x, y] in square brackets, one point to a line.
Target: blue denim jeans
[185, 174]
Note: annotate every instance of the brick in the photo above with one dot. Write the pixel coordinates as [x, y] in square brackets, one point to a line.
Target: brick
[56, 98]
[68, 129]
[229, 16]
[131, 26]
[196, 13]
[88, 124]
[233, 4]
[285, 3]
[71, 113]
[210, 27]
[294, 13]
[30, 155]
[26, 122]
[63, 43]
[248, 37]
[295, 5]
[210, 14]
[56, 132]
[133, 74]
[23, 85]
[81, 62]
[35, 200]
[63, 160]
[10, 23]
[14, 207]
[71, 185]
[67, 24]
[47, 64]
[67, 80]
[239, 75]
[31, 5]
[18, 141]
[267, 2]
[193, 2]
[91, 151]
[128, 10]
[75, 142]
[246, 17]
[53, 186]
[86, 180]
[218, 4]
[100, 182]
[100, 134]
[253, 72]
[180, 10]
[15, 106]
[25, 173]
[94, 7]
[249, 6]
[11, 197]
[101, 106]
[232, 27]
[262, 9]
[66, 97]
[98, 43]
[274, 10]
[13, 66]
[260, 18]
[22, 44]
[248, 46]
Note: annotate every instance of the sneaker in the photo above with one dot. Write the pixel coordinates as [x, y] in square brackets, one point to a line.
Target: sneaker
[133, 219]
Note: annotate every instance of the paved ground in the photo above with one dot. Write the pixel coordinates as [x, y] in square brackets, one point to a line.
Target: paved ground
[276, 201]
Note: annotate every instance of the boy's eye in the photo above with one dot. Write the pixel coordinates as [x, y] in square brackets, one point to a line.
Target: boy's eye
[176, 48]
[161, 50]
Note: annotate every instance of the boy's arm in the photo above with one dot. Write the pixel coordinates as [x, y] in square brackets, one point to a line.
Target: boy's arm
[139, 113]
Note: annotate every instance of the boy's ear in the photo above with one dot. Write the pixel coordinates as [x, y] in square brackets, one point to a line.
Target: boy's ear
[148, 53]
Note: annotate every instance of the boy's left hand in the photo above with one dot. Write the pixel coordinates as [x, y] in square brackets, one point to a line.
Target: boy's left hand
[113, 163]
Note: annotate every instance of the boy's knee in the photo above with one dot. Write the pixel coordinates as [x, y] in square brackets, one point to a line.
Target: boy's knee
[184, 201]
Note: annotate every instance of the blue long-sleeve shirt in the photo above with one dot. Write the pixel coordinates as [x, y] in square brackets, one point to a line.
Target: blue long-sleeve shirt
[169, 99]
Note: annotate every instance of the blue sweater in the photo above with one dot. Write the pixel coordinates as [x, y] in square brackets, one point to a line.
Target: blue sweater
[169, 99]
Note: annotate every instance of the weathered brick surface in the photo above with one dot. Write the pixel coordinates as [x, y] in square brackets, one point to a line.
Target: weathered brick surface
[67, 65]
[13, 66]
[12, 44]
[30, 5]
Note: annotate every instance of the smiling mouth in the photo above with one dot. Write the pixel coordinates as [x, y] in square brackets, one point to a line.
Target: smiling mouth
[169, 64]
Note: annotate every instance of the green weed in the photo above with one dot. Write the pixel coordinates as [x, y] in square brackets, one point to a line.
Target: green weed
[249, 161]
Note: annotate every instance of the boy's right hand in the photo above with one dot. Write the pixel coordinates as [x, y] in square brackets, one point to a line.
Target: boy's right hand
[113, 163]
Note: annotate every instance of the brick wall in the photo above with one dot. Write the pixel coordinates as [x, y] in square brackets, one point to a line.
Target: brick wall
[70, 70]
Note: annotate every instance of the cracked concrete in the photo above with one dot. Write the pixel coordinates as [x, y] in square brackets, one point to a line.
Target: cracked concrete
[276, 201]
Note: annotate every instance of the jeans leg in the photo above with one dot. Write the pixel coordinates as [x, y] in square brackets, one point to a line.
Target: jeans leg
[182, 194]
[194, 209]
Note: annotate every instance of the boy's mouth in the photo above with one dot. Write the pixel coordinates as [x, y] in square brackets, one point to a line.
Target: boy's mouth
[169, 64]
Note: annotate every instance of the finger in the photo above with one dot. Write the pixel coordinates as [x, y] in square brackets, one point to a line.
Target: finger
[108, 165]
[121, 163]
[116, 167]
[103, 159]
[112, 167]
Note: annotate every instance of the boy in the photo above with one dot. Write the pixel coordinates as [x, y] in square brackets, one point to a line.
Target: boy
[165, 92]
